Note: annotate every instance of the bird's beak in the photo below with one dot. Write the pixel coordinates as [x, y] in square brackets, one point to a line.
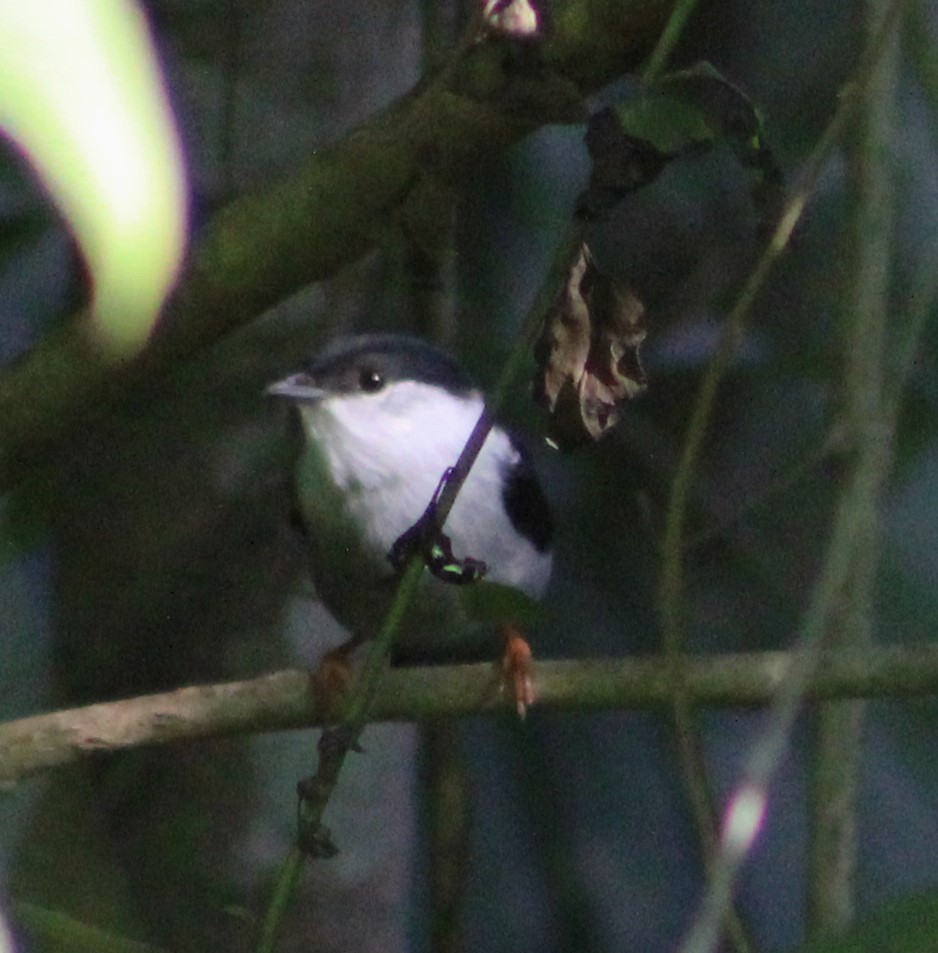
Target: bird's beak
[297, 387]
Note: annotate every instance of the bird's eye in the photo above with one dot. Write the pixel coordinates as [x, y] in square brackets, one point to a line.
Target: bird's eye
[370, 380]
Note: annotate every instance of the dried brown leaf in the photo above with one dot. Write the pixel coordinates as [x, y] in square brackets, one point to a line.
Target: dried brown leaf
[589, 354]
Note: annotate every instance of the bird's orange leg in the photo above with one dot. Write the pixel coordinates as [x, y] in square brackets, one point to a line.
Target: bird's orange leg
[518, 668]
[333, 676]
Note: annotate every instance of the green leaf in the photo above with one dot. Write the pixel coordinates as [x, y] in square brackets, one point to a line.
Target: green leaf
[677, 115]
[664, 122]
[61, 931]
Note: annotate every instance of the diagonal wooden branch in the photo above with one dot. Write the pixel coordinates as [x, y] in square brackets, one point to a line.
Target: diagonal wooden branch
[401, 168]
[285, 700]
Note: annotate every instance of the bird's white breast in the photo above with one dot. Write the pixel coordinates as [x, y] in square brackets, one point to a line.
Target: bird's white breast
[386, 453]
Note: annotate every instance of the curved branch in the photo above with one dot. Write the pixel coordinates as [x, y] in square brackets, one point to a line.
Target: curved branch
[400, 167]
[285, 700]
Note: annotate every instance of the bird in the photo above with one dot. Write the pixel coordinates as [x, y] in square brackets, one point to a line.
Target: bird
[380, 418]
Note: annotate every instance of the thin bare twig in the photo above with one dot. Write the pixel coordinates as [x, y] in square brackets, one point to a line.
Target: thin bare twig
[839, 726]
[285, 700]
[747, 805]
[449, 820]
[668, 40]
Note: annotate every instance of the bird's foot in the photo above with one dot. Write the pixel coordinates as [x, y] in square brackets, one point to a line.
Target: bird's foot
[427, 539]
[518, 669]
[436, 548]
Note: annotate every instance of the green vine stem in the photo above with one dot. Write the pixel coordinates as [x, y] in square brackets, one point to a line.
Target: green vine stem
[668, 40]
[705, 931]
[839, 726]
[334, 748]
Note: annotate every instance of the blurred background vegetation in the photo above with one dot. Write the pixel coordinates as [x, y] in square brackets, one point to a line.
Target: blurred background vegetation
[151, 550]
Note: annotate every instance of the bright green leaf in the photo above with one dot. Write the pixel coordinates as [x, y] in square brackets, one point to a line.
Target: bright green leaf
[81, 93]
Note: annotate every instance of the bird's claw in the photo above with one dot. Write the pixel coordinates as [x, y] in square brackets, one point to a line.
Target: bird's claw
[436, 548]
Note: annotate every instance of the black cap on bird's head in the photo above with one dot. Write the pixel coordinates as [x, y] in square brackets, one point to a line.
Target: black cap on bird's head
[366, 363]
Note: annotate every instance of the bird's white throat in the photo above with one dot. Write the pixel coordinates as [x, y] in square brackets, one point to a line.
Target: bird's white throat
[387, 451]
